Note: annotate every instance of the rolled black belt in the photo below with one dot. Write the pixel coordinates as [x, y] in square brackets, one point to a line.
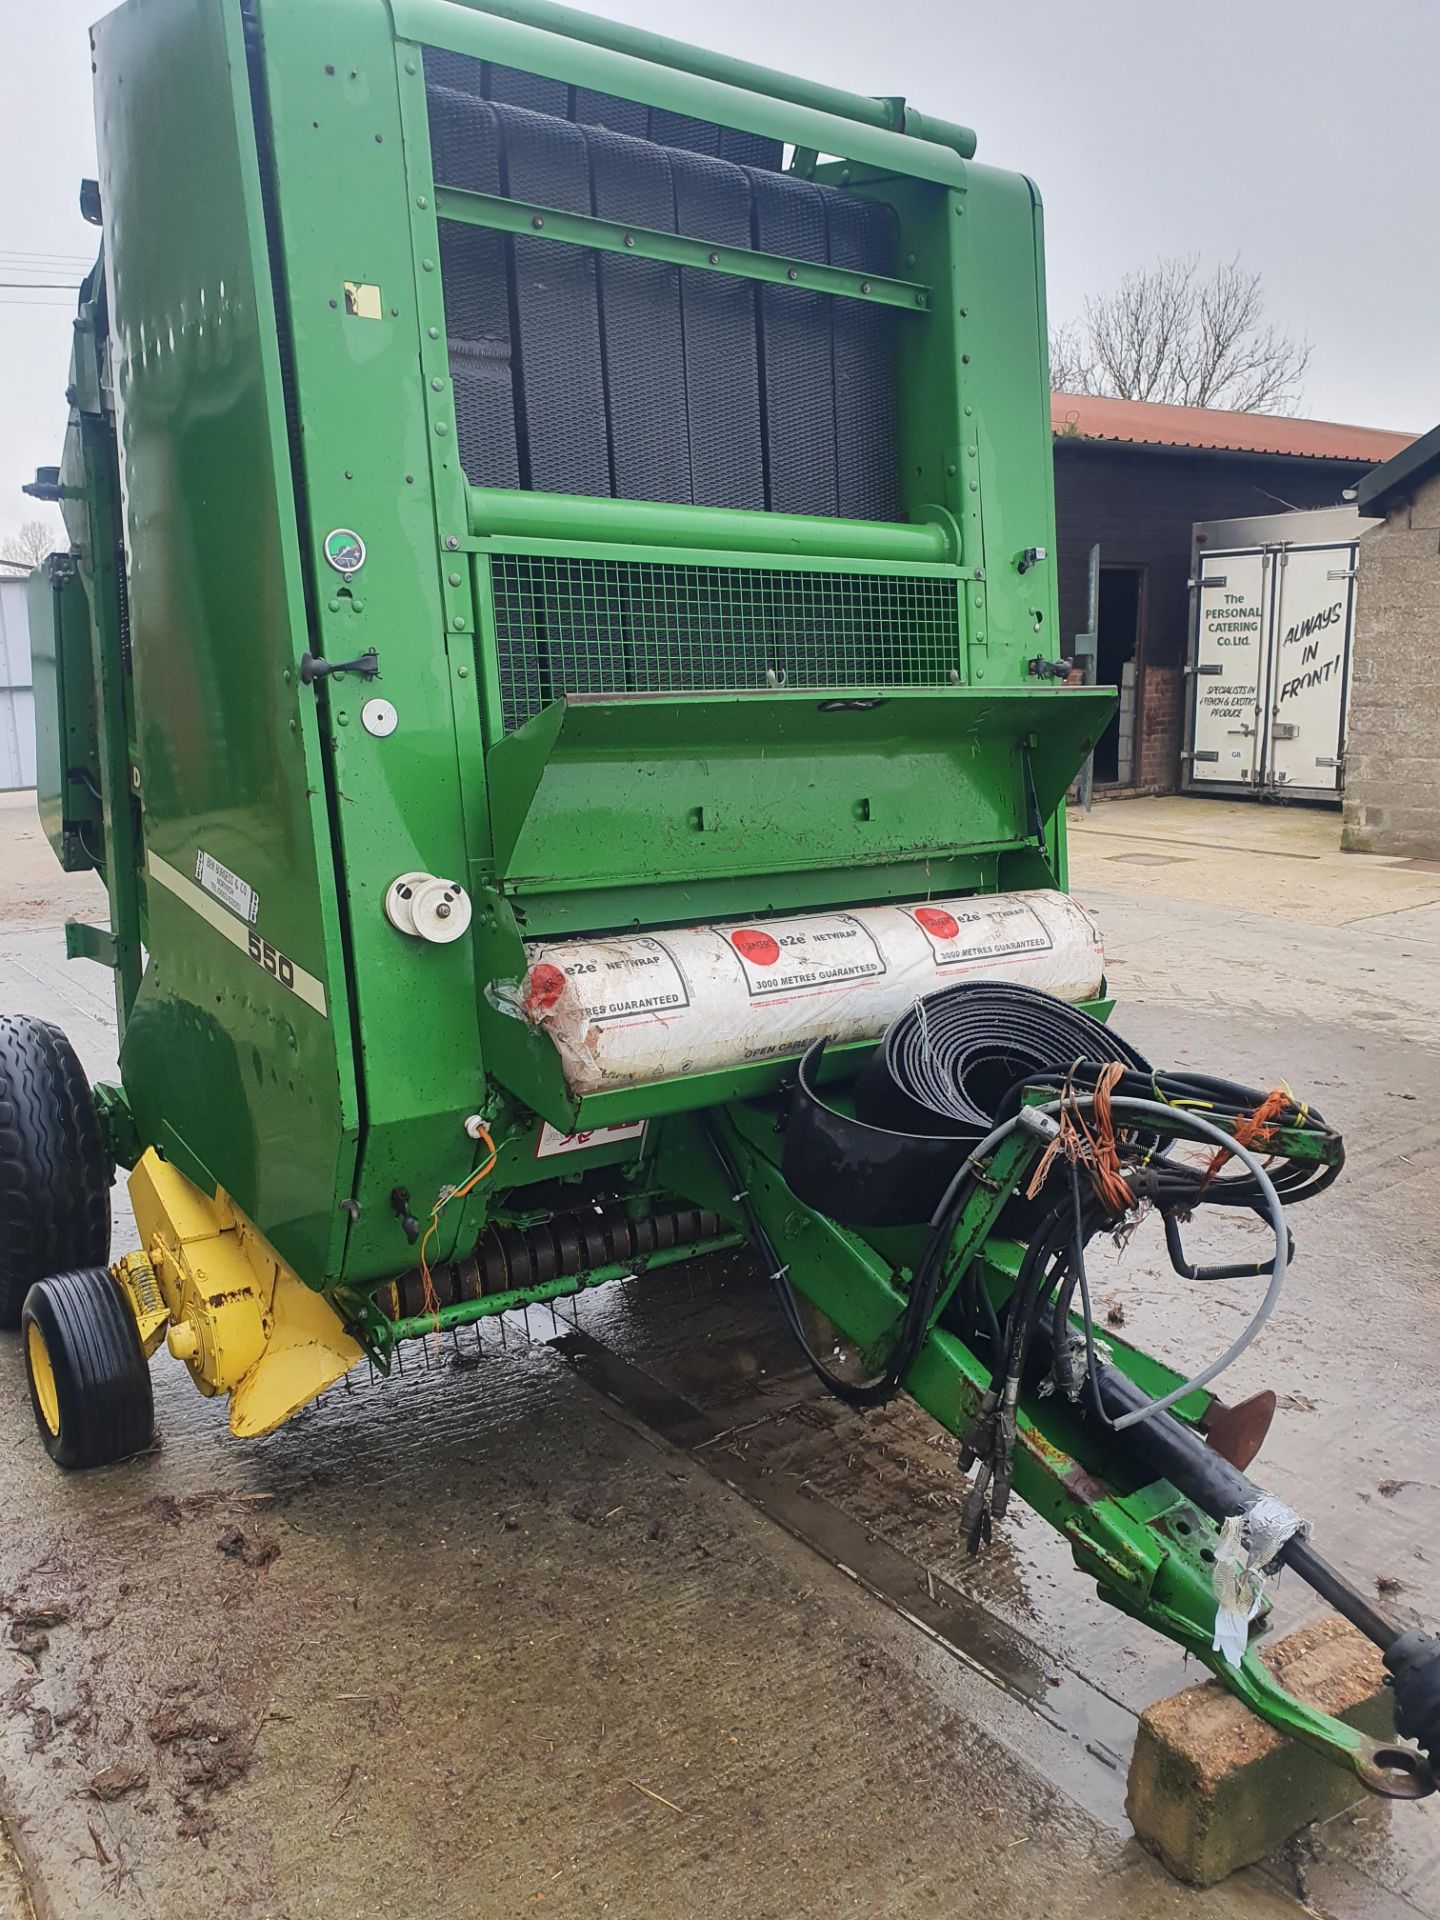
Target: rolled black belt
[936, 1085]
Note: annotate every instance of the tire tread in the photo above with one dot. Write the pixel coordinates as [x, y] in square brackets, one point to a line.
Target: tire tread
[54, 1171]
[102, 1379]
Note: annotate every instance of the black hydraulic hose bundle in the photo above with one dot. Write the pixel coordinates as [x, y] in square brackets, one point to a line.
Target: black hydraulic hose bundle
[948, 1074]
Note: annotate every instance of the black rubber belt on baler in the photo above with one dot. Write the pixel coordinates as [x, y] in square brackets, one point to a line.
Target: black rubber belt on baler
[641, 325]
[592, 109]
[511, 87]
[459, 72]
[682, 131]
[722, 380]
[825, 427]
[589, 108]
[561, 389]
[465, 138]
[862, 235]
[795, 360]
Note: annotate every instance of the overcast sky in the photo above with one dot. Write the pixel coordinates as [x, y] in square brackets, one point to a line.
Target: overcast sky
[1298, 133]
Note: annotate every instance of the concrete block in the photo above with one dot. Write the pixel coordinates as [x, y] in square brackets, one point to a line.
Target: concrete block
[1212, 1788]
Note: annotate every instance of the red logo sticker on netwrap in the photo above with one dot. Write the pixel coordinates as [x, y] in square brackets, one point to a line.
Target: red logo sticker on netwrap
[755, 946]
[986, 932]
[935, 920]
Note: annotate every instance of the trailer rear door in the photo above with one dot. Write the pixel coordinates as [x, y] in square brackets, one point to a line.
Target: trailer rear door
[1314, 601]
[1230, 649]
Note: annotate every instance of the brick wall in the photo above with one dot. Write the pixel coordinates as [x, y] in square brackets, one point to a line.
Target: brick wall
[1392, 752]
[1162, 716]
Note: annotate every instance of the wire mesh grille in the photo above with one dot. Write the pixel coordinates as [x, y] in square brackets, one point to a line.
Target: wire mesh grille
[633, 626]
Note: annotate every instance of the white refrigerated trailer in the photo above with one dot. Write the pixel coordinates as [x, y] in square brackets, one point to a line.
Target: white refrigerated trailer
[1272, 611]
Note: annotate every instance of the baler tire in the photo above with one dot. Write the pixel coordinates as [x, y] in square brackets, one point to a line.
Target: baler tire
[89, 1379]
[54, 1170]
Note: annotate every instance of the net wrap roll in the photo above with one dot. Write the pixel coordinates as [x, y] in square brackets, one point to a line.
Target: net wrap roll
[634, 1008]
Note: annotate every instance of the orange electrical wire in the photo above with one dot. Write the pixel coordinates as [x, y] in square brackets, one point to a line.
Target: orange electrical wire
[1099, 1150]
[1254, 1130]
[431, 1299]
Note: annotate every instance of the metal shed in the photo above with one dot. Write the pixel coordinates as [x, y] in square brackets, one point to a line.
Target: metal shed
[17, 699]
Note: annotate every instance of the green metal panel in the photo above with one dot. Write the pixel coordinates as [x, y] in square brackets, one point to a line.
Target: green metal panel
[401, 803]
[239, 1077]
[746, 786]
[67, 743]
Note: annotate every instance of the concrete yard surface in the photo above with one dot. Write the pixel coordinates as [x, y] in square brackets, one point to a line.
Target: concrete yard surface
[613, 1614]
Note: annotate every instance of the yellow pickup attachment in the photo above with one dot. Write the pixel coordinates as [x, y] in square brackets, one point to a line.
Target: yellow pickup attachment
[243, 1322]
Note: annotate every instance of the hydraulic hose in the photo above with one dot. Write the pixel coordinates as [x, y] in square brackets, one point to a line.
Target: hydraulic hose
[1172, 1117]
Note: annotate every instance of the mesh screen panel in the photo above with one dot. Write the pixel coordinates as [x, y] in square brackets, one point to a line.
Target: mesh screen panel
[639, 626]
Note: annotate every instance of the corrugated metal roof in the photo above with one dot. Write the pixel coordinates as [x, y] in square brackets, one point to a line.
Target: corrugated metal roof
[1145, 423]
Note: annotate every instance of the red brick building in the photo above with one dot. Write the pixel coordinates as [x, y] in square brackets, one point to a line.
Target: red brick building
[1132, 478]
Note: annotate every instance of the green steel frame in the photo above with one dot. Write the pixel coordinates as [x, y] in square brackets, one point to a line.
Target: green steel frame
[259, 163]
[645, 243]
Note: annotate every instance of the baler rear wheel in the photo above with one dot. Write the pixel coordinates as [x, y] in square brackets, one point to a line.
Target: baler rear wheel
[54, 1170]
[89, 1381]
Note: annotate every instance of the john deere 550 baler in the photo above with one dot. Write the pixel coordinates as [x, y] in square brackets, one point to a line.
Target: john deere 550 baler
[556, 664]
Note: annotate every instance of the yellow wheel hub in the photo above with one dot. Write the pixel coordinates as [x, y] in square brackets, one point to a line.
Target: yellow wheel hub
[42, 1376]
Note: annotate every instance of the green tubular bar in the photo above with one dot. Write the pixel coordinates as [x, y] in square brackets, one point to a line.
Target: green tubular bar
[889, 114]
[502, 512]
[649, 243]
[577, 62]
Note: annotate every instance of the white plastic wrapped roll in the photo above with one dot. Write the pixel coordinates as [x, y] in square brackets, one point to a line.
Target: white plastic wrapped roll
[643, 1007]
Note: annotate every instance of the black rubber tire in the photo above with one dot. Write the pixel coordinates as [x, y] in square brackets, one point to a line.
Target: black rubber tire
[98, 1406]
[54, 1170]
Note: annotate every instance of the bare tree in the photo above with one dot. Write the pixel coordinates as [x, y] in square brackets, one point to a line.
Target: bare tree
[35, 541]
[1169, 333]
[1072, 364]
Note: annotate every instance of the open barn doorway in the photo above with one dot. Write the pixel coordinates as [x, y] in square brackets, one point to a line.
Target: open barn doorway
[1119, 610]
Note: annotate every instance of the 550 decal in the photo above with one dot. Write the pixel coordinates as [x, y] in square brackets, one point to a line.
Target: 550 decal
[272, 960]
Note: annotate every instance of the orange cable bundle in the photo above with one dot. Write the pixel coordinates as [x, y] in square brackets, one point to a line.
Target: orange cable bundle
[1105, 1172]
[1099, 1150]
[1254, 1130]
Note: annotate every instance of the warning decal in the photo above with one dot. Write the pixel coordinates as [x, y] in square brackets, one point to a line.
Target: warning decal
[1001, 927]
[552, 1141]
[798, 956]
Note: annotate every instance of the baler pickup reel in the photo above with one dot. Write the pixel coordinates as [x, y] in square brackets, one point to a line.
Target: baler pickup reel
[962, 1184]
